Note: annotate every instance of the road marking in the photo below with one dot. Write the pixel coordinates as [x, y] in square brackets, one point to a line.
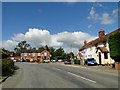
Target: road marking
[81, 77]
[58, 69]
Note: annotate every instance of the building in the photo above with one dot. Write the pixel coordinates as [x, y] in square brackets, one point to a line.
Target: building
[35, 55]
[98, 49]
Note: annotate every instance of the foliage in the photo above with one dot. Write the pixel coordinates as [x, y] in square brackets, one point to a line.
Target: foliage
[23, 45]
[59, 53]
[4, 53]
[114, 45]
[76, 61]
[7, 66]
[52, 52]
[41, 49]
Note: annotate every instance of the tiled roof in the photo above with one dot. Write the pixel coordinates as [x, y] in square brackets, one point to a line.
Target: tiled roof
[31, 51]
[103, 49]
[98, 40]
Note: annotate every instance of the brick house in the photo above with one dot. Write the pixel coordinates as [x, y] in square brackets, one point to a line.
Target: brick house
[98, 49]
[35, 55]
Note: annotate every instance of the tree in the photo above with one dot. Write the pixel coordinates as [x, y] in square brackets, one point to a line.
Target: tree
[52, 52]
[41, 49]
[59, 53]
[46, 47]
[23, 45]
[114, 45]
[4, 53]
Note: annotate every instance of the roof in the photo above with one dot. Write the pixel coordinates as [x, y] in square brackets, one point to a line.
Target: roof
[98, 40]
[103, 49]
[32, 51]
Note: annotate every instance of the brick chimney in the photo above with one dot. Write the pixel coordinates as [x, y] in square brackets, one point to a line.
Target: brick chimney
[101, 33]
[85, 42]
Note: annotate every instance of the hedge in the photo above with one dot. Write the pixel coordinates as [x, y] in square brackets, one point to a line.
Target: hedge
[7, 67]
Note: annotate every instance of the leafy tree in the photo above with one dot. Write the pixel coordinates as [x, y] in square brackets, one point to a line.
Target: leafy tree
[114, 45]
[52, 52]
[71, 54]
[41, 49]
[4, 53]
[23, 45]
[59, 53]
[46, 47]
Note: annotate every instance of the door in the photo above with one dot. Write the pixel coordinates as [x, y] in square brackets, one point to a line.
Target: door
[99, 58]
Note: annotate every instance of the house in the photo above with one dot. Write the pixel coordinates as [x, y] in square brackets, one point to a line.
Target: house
[98, 49]
[35, 55]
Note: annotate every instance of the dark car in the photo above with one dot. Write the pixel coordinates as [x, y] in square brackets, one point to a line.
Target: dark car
[90, 61]
[67, 61]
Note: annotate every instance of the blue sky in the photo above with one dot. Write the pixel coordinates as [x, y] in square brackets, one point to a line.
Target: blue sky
[58, 18]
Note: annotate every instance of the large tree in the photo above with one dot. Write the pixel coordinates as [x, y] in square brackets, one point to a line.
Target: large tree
[59, 53]
[23, 45]
[114, 45]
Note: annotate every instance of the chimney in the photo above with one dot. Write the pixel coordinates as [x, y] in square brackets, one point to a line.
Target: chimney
[101, 33]
[85, 42]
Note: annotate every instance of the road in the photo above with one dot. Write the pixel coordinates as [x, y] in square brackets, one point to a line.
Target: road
[52, 75]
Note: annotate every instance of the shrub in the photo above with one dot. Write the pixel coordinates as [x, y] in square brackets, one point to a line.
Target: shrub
[7, 67]
[76, 61]
[114, 45]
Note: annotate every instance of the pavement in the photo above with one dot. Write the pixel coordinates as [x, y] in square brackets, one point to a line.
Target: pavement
[58, 75]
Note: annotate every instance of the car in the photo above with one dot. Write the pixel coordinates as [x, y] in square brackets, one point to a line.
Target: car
[53, 60]
[14, 60]
[46, 61]
[60, 60]
[90, 61]
[67, 61]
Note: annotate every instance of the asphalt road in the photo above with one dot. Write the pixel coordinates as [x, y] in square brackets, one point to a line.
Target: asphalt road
[33, 75]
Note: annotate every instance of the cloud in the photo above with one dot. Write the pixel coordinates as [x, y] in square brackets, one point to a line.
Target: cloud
[9, 44]
[92, 15]
[89, 26]
[104, 18]
[38, 37]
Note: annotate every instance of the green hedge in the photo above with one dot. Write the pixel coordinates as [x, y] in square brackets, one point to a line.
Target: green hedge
[76, 61]
[7, 67]
[114, 45]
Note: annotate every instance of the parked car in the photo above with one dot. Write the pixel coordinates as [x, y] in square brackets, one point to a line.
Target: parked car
[90, 61]
[27, 60]
[60, 60]
[67, 61]
[46, 61]
[53, 60]
[14, 60]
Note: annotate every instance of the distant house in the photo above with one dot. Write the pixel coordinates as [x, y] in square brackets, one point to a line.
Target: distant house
[35, 55]
[98, 49]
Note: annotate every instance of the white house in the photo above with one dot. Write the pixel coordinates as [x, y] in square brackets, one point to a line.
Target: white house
[98, 49]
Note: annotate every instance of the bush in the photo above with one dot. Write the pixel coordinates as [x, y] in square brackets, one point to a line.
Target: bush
[114, 45]
[76, 61]
[7, 67]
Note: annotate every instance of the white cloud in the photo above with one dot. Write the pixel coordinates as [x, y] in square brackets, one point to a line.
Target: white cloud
[89, 26]
[39, 37]
[9, 44]
[104, 18]
[92, 15]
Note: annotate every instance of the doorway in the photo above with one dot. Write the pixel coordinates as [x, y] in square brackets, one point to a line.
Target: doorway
[99, 58]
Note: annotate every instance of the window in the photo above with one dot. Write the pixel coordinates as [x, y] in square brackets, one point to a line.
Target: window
[105, 56]
[38, 54]
[25, 54]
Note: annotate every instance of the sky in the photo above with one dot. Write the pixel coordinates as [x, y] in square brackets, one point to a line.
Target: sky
[56, 24]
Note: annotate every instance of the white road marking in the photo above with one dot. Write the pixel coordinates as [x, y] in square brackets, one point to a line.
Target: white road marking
[81, 77]
[58, 69]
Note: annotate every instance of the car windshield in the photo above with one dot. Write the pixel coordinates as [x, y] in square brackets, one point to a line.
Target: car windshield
[92, 59]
